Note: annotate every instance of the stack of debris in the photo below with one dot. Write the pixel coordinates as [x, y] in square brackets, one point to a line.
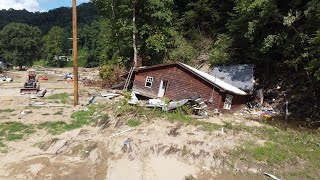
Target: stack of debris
[197, 104]
[5, 79]
[257, 110]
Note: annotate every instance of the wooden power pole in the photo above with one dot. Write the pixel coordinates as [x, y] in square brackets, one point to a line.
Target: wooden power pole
[75, 53]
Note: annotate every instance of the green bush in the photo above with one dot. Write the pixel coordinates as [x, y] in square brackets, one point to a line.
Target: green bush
[106, 71]
[6, 110]
[133, 122]
[183, 52]
[62, 96]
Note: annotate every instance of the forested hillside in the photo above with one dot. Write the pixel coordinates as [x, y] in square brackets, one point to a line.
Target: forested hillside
[45, 20]
[282, 38]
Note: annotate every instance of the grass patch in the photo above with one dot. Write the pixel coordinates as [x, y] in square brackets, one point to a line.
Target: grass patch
[6, 110]
[3, 147]
[283, 147]
[56, 127]
[133, 122]
[82, 61]
[41, 62]
[80, 118]
[179, 115]
[12, 131]
[61, 96]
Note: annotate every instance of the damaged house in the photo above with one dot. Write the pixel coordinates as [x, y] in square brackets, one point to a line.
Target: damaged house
[177, 81]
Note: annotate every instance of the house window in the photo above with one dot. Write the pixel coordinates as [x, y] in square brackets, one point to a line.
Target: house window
[228, 102]
[149, 81]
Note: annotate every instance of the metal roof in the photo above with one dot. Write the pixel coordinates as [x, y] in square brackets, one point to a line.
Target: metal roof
[240, 76]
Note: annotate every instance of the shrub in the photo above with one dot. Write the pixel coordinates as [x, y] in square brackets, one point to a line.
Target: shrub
[133, 122]
[106, 71]
[183, 52]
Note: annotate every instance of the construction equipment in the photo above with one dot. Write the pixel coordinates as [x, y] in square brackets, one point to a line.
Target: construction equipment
[31, 86]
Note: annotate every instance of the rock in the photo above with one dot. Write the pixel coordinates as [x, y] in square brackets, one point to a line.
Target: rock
[28, 111]
[54, 149]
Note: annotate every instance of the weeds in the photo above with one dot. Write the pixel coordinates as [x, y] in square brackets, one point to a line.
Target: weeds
[283, 147]
[3, 147]
[185, 151]
[12, 131]
[80, 118]
[6, 110]
[189, 177]
[56, 127]
[61, 96]
[179, 115]
[133, 122]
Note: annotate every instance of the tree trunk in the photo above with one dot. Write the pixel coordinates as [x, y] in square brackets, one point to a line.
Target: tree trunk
[113, 24]
[134, 40]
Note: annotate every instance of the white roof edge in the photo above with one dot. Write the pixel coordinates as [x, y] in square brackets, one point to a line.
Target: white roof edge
[215, 80]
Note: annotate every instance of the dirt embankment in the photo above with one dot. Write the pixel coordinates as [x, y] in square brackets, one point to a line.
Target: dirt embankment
[152, 153]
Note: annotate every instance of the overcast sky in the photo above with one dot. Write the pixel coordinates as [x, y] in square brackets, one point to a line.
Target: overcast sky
[36, 5]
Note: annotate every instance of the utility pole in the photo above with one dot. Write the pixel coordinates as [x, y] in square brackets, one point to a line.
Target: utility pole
[75, 54]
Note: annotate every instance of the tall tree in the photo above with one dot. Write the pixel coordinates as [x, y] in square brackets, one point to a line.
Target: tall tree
[140, 27]
[96, 40]
[55, 44]
[20, 43]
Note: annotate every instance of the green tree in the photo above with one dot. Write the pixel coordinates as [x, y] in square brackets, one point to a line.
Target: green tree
[182, 51]
[20, 43]
[96, 40]
[221, 52]
[55, 44]
[312, 53]
[139, 27]
[205, 17]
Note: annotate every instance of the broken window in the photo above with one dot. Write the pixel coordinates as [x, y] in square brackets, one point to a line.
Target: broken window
[228, 102]
[149, 81]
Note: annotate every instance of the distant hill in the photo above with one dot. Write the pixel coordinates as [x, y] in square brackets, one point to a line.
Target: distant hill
[45, 20]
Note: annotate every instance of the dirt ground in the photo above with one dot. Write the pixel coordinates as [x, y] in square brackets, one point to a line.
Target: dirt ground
[90, 153]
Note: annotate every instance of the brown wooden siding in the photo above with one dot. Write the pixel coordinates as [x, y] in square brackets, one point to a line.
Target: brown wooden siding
[181, 84]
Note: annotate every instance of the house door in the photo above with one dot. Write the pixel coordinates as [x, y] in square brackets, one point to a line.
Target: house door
[162, 88]
[228, 102]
